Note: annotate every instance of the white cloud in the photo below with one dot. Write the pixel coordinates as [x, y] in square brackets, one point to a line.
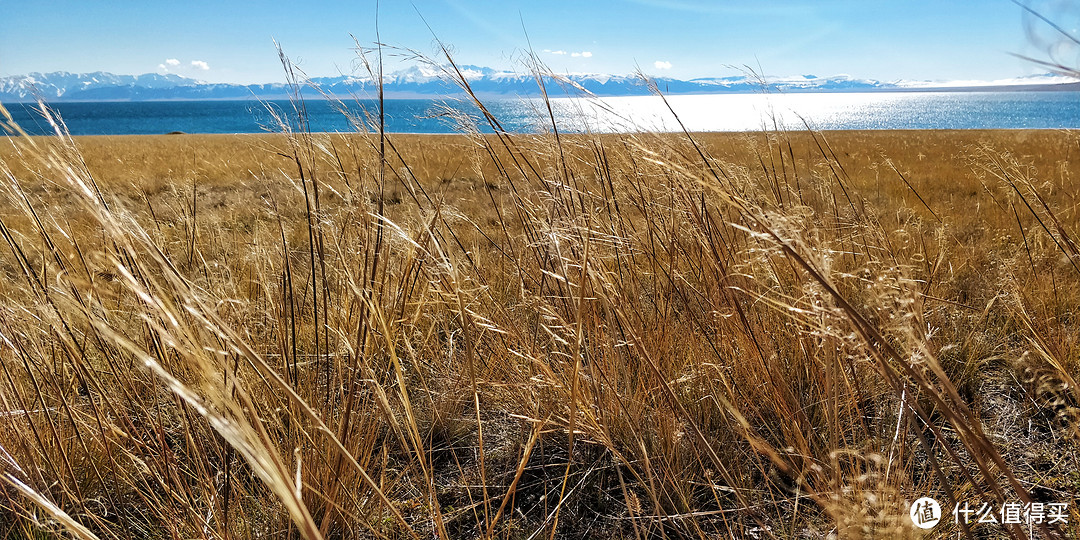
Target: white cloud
[662, 64]
[199, 64]
[162, 67]
[172, 62]
[560, 52]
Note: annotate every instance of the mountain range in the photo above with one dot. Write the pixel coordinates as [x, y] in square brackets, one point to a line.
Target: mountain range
[430, 82]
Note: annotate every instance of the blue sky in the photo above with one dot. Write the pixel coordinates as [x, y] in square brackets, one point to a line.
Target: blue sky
[233, 41]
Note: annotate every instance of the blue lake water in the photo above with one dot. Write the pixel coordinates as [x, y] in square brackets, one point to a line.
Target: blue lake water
[721, 112]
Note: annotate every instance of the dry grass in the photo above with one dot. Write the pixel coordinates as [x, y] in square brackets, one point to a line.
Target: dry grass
[766, 335]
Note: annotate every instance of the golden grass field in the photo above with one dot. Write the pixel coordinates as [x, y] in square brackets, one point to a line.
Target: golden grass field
[786, 335]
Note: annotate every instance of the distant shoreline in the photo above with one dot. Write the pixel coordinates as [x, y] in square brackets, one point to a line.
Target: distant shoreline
[834, 132]
[886, 133]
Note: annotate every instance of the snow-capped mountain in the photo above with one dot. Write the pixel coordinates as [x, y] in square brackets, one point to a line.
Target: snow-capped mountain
[425, 81]
[61, 84]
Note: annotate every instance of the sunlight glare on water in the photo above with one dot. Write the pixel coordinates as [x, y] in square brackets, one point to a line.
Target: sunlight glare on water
[868, 110]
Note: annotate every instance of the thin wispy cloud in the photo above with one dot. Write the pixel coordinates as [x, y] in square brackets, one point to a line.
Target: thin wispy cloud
[583, 54]
[662, 64]
[473, 15]
[199, 64]
[782, 9]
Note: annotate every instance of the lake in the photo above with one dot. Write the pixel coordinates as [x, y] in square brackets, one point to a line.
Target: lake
[717, 112]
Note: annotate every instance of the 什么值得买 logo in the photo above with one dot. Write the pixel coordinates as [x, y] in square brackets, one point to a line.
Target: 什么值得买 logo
[925, 513]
